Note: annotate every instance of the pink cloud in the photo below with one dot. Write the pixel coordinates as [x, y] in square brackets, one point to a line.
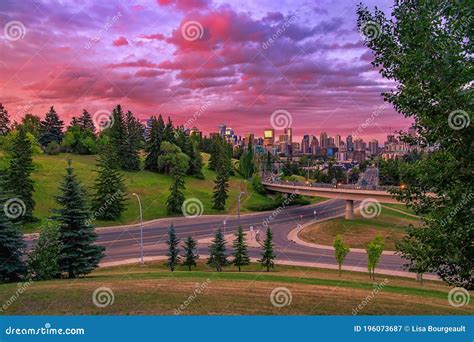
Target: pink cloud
[121, 41]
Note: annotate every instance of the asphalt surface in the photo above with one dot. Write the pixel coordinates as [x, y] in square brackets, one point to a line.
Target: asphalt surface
[123, 242]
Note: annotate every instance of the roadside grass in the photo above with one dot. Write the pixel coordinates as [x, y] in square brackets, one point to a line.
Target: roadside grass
[152, 289]
[357, 233]
[153, 189]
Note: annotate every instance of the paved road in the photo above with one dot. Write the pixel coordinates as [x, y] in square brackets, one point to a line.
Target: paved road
[123, 242]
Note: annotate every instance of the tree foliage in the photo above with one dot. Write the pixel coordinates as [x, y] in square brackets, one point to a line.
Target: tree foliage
[173, 250]
[79, 253]
[340, 250]
[217, 252]
[241, 257]
[423, 37]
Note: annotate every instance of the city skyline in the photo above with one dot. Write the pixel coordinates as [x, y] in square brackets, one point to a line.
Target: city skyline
[307, 59]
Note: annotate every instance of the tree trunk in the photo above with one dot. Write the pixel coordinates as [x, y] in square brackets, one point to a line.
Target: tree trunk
[340, 270]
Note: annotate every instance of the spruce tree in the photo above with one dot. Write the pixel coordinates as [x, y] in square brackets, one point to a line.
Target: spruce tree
[109, 200]
[173, 250]
[221, 183]
[79, 254]
[153, 143]
[32, 124]
[12, 266]
[86, 122]
[195, 159]
[217, 252]
[117, 134]
[268, 255]
[168, 133]
[176, 162]
[4, 121]
[190, 253]
[241, 257]
[133, 141]
[215, 151]
[51, 128]
[20, 183]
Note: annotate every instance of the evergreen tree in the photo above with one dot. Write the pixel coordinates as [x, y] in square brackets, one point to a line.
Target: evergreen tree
[79, 254]
[246, 163]
[215, 151]
[4, 121]
[195, 159]
[168, 133]
[51, 128]
[153, 143]
[109, 199]
[190, 253]
[173, 250]
[117, 134]
[12, 267]
[241, 257]
[221, 183]
[217, 252]
[20, 183]
[85, 122]
[174, 161]
[268, 255]
[133, 139]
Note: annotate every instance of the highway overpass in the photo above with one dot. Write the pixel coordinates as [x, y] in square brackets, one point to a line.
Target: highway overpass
[349, 193]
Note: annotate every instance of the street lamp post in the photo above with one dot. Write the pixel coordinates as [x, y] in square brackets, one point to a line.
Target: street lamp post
[239, 197]
[224, 222]
[314, 212]
[141, 227]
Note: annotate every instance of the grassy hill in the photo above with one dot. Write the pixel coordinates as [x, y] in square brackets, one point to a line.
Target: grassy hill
[152, 188]
[157, 291]
[357, 233]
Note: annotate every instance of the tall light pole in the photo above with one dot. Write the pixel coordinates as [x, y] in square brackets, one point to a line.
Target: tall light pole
[239, 196]
[141, 227]
[224, 222]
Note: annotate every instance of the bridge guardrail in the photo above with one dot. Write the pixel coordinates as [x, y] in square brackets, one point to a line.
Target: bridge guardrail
[332, 186]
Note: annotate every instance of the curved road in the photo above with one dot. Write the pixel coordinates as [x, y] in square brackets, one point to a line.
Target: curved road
[123, 242]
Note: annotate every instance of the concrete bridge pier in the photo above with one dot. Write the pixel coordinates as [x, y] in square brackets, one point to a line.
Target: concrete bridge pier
[349, 210]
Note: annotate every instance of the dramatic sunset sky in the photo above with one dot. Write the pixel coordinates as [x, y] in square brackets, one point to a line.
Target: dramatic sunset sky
[95, 54]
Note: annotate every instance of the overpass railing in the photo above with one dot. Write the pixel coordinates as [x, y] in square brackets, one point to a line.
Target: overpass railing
[331, 186]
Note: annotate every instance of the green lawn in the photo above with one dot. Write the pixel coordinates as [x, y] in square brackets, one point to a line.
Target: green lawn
[152, 188]
[357, 233]
[157, 291]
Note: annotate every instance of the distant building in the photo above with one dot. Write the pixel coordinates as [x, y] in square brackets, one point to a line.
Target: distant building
[323, 140]
[374, 147]
[221, 129]
[269, 137]
[349, 144]
[305, 145]
[337, 140]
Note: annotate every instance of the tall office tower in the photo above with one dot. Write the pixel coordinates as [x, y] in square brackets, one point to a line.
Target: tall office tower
[337, 141]
[229, 132]
[359, 145]
[221, 129]
[314, 146]
[289, 132]
[373, 147]
[269, 137]
[323, 140]
[349, 144]
[305, 147]
[331, 142]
